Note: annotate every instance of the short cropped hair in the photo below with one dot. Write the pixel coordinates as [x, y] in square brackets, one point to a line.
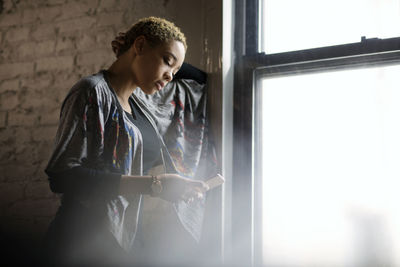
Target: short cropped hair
[155, 30]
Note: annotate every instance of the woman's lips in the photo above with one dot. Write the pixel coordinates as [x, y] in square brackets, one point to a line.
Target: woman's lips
[160, 85]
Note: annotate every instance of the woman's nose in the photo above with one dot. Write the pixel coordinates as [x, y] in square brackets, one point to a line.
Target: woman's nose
[169, 76]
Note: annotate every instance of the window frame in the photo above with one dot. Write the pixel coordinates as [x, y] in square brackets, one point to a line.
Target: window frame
[250, 67]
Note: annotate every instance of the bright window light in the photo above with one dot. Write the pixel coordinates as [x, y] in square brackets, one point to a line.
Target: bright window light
[331, 168]
[289, 25]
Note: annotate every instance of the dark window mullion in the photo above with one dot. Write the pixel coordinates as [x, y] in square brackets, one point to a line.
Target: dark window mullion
[246, 43]
[365, 47]
[251, 37]
[361, 61]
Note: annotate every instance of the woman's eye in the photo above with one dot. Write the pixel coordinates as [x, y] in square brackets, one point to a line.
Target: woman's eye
[166, 60]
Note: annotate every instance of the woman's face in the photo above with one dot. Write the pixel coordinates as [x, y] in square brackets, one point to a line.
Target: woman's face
[155, 66]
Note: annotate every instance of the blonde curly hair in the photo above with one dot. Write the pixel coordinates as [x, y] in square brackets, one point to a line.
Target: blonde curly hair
[155, 30]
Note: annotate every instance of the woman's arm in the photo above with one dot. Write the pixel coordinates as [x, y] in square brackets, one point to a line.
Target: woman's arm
[85, 181]
[187, 71]
[172, 187]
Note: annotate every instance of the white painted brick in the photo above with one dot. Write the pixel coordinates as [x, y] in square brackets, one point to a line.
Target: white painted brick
[110, 18]
[21, 119]
[9, 85]
[44, 31]
[61, 88]
[17, 34]
[14, 69]
[86, 42]
[50, 118]
[108, 4]
[26, 50]
[10, 192]
[15, 172]
[67, 80]
[3, 119]
[7, 135]
[45, 48]
[40, 175]
[29, 16]
[38, 82]
[24, 134]
[34, 49]
[8, 55]
[131, 6]
[44, 133]
[37, 190]
[99, 58]
[56, 2]
[104, 37]
[44, 149]
[49, 13]
[64, 44]
[7, 154]
[24, 152]
[76, 9]
[12, 19]
[78, 24]
[8, 101]
[31, 100]
[86, 70]
[26, 4]
[8, 6]
[55, 63]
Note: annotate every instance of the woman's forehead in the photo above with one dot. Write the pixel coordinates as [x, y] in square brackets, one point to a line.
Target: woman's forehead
[175, 48]
[173, 45]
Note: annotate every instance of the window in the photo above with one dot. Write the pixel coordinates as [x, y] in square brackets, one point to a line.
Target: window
[316, 132]
[330, 166]
[288, 25]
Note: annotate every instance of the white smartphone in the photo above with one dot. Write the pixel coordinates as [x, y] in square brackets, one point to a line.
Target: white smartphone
[215, 181]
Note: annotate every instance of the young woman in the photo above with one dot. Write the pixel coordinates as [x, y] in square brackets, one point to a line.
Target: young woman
[105, 145]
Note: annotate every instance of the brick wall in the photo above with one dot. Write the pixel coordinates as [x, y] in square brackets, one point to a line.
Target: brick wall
[45, 47]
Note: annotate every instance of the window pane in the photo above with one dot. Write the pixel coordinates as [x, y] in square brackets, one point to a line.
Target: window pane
[289, 25]
[331, 169]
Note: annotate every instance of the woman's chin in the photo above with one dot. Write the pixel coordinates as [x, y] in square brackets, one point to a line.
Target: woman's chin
[149, 91]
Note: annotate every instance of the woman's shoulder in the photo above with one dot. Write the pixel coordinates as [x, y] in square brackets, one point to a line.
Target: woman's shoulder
[93, 82]
[93, 87]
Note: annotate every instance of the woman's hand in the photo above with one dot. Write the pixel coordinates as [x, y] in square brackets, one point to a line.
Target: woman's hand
[118, 42]
[176, 187]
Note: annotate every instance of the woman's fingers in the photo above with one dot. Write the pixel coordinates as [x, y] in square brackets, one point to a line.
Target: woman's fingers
[176, 187]
[195, 192]
[202, 186]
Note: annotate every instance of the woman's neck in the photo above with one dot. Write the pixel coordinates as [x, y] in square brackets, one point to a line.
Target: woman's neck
[121, 78]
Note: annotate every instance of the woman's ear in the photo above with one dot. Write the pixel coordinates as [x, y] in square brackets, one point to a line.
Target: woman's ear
[139, 44]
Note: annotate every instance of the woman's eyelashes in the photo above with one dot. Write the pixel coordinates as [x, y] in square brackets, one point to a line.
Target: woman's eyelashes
[168, 61]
